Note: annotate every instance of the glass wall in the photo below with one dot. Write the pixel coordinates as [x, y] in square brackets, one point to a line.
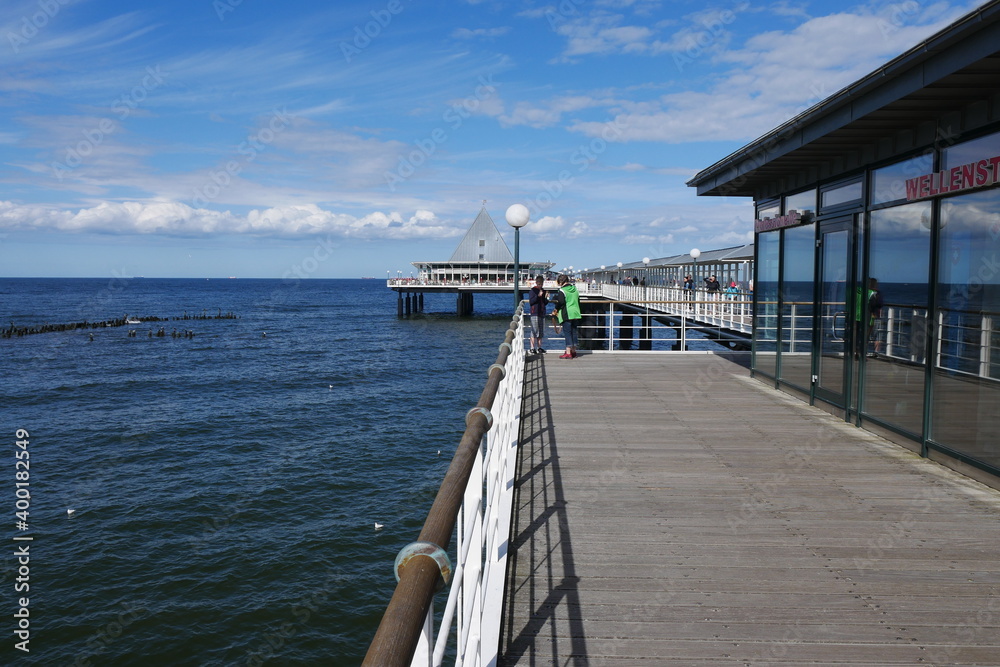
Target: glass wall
[803, 202]
[766, 307]
[889, 183]
[797, 305]
[900, 316]
[896, 302]
[966, 391]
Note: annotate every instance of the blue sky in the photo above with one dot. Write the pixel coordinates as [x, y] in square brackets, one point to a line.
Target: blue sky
[241, 137]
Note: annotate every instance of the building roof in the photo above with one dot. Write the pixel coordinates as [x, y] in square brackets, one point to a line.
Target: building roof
[482, 243]
[955, 68]
[740, 253]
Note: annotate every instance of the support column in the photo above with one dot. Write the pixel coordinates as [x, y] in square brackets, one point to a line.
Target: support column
[409, 304]
[646, 334]
[399, 303]
[626, 332]
[464, 304]
[420, 304]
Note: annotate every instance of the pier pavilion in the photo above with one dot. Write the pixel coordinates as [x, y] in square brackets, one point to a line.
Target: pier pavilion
[877, 283]
[482, 263]
[733, 264]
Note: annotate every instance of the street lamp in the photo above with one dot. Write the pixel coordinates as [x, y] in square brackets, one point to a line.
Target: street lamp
[619, 273]
[517, 217]
[695, 254]
[645, 268]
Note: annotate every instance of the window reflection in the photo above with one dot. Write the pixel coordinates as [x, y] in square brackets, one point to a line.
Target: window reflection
[766, 295]
[896, 314]
[797, 305]
[967, 361]
[803, 202]
[889, 183]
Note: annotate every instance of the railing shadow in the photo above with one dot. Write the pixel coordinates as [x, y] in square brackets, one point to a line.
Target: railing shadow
[541, 577]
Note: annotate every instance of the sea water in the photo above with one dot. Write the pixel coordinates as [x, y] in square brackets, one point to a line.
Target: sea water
[225, 477]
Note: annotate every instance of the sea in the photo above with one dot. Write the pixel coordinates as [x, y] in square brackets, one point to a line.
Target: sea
[203, 488]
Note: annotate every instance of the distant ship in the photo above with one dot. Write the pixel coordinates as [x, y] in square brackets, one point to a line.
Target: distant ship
[368, 277]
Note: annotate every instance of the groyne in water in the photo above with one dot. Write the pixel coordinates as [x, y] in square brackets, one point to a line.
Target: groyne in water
[14, 331]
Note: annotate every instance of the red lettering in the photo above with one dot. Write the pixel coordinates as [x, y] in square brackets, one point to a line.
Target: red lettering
[967, 175]
[982, 173]
[925, 185]
[963, 177]
[995, 167]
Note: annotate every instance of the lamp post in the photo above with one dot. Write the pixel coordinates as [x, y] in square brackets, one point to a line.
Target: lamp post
[695, 254]
[645, 270]
[619, 273]
[517, 217]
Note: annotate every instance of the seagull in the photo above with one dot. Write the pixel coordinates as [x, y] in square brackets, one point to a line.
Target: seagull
[70, 512]
[439, 452]
[379, 526]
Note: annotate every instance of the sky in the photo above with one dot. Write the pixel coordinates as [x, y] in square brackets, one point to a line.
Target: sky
[213, 138]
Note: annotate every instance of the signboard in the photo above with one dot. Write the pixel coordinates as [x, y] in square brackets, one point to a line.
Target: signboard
[979, 174]
[790, 219]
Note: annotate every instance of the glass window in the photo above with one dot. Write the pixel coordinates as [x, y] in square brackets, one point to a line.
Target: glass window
[971, 151]
[766, 301]
[801, 202]
[797, 305]
[967, 317]
[889, 183]
[894, 308]
[842, 194]
[768, 210]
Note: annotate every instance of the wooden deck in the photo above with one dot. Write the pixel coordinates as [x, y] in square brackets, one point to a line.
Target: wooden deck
[671, 510]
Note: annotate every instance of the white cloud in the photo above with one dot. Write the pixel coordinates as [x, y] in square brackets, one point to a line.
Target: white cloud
[647, 239]
[479, 33]
[549, 113]
[547, 224]
[168, 218]
[761, 90]
[602, 34]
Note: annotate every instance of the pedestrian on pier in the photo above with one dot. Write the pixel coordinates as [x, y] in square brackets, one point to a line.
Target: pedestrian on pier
[689, 289]
[537, 301]
[566, 301]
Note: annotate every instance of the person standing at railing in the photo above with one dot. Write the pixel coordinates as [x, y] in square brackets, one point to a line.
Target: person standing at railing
[566, 303]
[537, 301]
[864, 330]
[689, 289]
[731, 293]
[713, 286]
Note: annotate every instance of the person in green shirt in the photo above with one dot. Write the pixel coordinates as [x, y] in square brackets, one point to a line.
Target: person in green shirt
[567, 313]
[863, 330]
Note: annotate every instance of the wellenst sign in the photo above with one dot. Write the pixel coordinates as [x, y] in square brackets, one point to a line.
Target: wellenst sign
[979, 174]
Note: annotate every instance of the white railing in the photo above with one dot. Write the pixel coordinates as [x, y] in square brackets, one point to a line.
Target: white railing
[719, 309]
[475, 599]
[967, 342]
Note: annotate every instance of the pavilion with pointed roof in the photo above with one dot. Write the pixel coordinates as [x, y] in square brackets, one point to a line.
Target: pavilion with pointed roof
[482, 263]
[482, 258]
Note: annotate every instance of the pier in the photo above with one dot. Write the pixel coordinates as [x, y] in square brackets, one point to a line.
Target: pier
[669, 509]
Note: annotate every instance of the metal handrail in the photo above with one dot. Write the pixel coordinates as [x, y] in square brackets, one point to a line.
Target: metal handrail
[405, 623]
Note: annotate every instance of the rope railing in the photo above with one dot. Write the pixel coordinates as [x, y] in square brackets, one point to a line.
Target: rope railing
[481, 470]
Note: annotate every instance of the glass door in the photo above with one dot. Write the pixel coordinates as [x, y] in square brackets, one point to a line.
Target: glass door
[833, 349]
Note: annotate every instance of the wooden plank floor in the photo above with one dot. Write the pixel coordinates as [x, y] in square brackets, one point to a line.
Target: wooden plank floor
[672, 511]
